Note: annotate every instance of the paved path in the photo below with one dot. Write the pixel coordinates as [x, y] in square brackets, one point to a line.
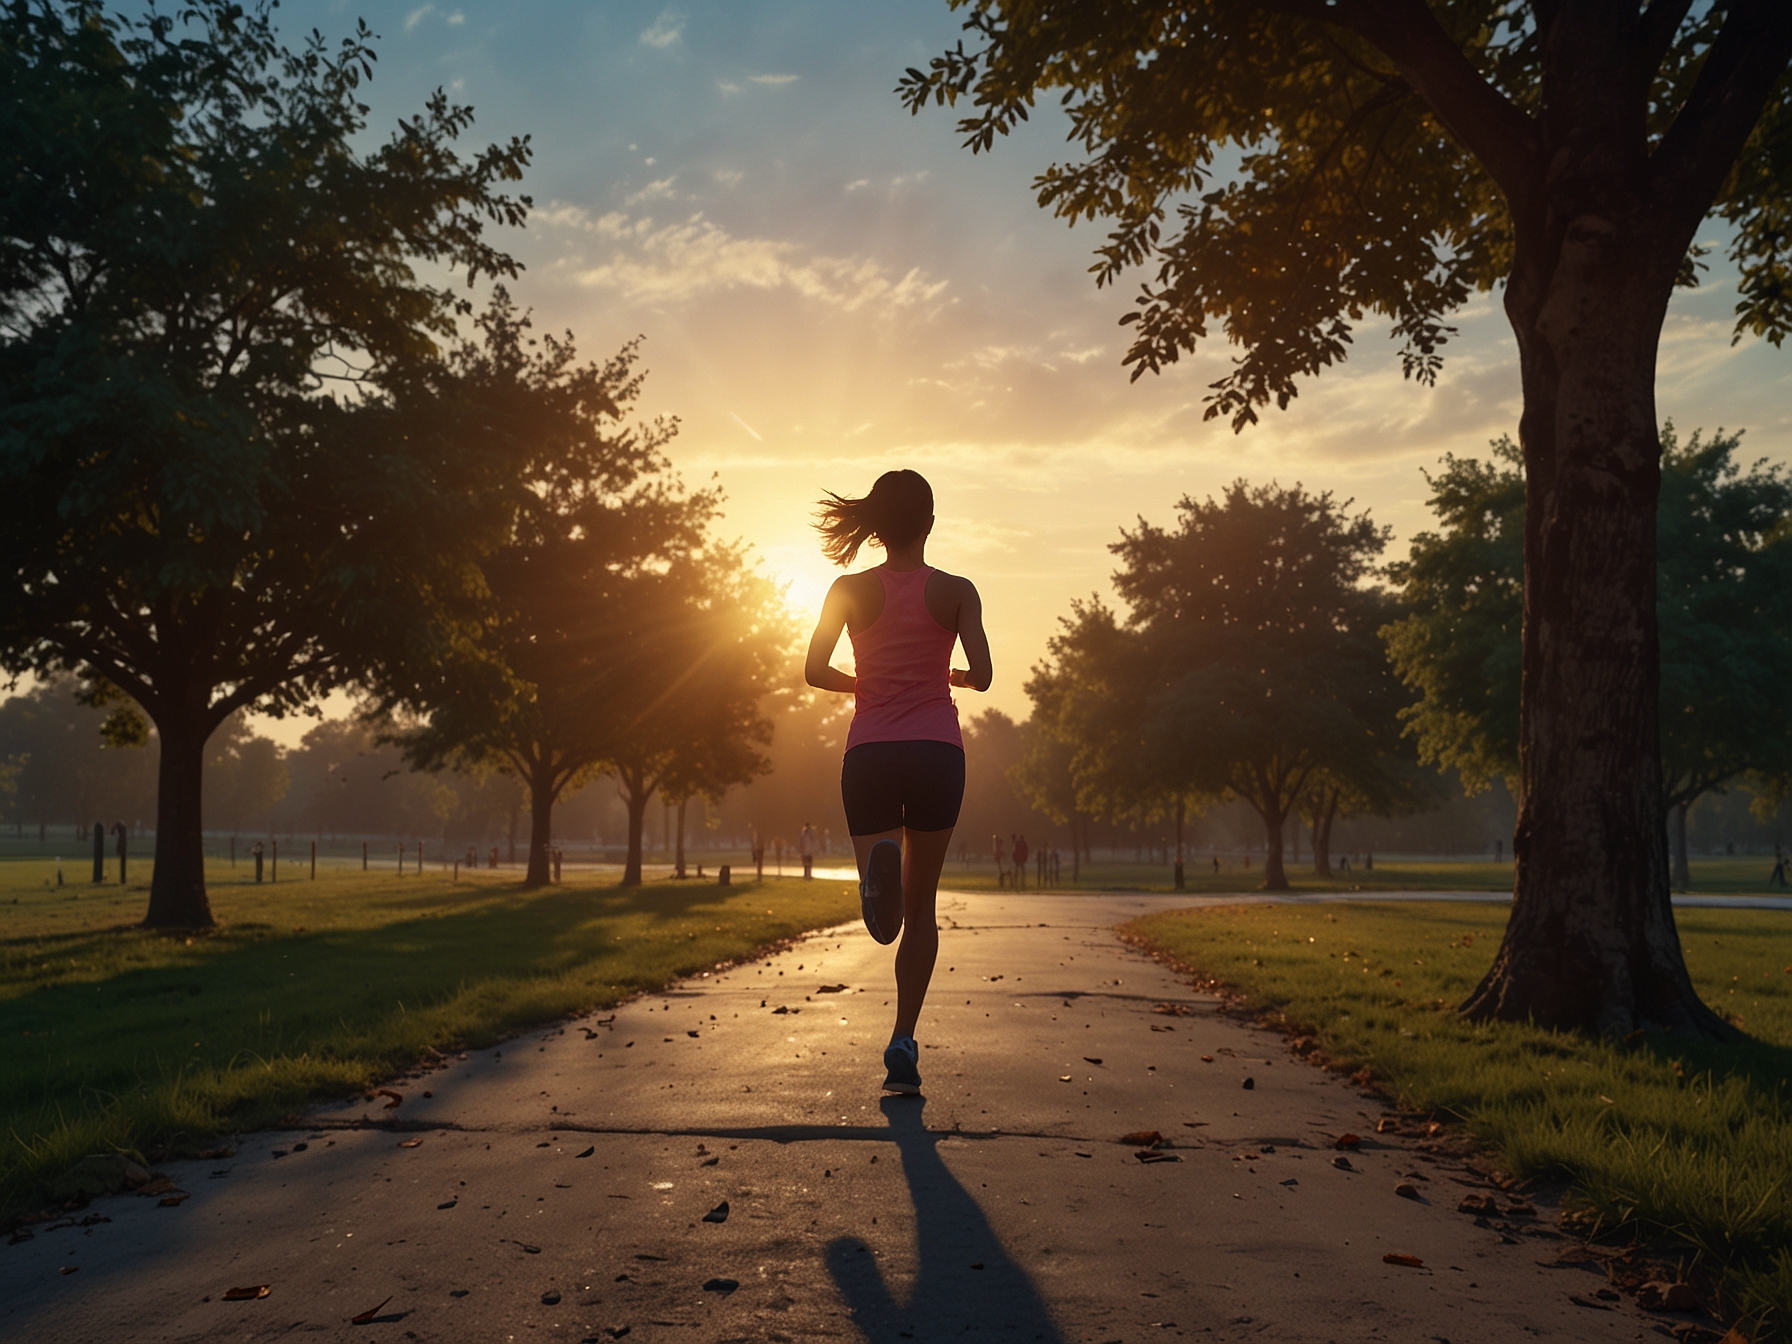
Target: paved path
[560, 1186]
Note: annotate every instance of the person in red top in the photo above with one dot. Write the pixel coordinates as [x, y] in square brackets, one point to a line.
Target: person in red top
[902, 779]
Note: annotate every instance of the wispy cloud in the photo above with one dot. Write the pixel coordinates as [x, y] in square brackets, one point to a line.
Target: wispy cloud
[417, 15]
[774, 79]
[660, 190]
[744, 425]
[664, 31]
[679, 262]
[729, 177]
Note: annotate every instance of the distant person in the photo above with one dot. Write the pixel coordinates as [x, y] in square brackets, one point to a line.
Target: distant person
[902, 780]
[1778, 879]
[1216, 863]
[1368, 863]
[805, 843]
[1057, 868]
[1021, 850]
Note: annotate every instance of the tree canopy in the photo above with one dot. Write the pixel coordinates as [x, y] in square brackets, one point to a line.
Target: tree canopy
[218, 293]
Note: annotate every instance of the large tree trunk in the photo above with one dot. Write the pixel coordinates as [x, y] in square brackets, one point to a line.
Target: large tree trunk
[1275, 877]
[1591, 943]
[541, 825]
[177, 897]
[635, 797]
[1682, 865]
[1325, 808]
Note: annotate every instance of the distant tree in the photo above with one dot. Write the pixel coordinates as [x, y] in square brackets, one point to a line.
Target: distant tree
[710, 642]
[1248, 663]
[66, 770]
[200, 245]
[1724, 597]
[1327, 159]
[246, 775]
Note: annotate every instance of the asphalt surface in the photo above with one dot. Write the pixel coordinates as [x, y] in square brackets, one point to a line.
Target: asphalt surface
[557, 1188]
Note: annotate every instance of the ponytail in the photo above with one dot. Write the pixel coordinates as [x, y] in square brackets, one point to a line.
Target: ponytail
[898, 509]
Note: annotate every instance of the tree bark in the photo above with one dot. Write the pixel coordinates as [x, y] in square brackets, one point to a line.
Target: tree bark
[635, 797]
[1325, 807]
[1682, 865]
[1275, 877]
[541, 824]
[177, 898]
[1591, 944]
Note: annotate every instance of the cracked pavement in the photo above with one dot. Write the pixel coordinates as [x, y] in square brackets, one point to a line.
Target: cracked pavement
[556, 1188]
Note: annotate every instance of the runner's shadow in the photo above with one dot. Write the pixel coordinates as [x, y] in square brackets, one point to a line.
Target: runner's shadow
[949, 1296]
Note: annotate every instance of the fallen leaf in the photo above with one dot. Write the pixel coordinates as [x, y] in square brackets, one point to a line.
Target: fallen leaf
[587, 1153]
[1175, 1009]
[690, 1033]
[780, 1009]
[550, 1298]
[1661, 1296]
[448, 1204]
[1342, 1163]
[1290, 1181]
[1142, 1138]
[1396, 1258]
[1085, 1154]
[1344, 1141]
[1382, 1126]
[397, 1098]
[1582, 1302]
[1063, 1077]
[831, 989]
[1407, 1190]
[527, 1248]
[1090, 1059]
[722, 1286]
[173, 1201]
[69, 1269]
[719, 1214]
[248, 1294]
[976, 1264]
[216, 1154]
[1250, 1084]
[1207, 1059]
[410, 1143]
[616, 1331]
[1520, 1208]
[161, 1185]
[1156, 1155]
[366, 1317]
[1485, 1206]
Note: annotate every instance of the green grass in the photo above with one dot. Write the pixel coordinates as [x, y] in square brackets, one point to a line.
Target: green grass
[1687, 1143]
[113, 1038]
[1712, 876]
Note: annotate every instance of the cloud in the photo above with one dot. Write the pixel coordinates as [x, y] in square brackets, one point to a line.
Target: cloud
[744, 425]
[679, 262]
[456, 19]
[416, 16]
[729, 177]
[655, 191]
[664, 31]
[774, 79]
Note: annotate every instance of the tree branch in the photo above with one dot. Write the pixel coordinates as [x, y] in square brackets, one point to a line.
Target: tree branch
[1743, 68]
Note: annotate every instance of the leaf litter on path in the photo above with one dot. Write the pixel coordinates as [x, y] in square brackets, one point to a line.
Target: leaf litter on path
[249, 1293]
[719, 1214]
[367, 1317]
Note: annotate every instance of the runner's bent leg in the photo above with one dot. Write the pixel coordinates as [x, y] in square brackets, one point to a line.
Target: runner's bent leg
[923, 857]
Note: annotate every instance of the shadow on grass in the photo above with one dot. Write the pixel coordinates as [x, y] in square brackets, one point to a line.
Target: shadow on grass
[129, 1038]
[965, 1281]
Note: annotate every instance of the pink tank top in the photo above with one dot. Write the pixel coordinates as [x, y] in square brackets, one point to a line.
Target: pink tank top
[903, 658]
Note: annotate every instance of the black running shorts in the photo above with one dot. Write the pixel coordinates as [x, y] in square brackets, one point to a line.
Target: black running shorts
[889, 785]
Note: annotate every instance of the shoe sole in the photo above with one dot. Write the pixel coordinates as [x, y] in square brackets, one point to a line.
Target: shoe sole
[903, 1089]
[883, 875]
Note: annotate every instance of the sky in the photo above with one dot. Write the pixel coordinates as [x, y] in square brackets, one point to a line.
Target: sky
[829, 287]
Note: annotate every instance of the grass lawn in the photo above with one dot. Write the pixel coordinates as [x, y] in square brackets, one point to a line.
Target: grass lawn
[1686, 1143]
[1710, 876]
[114, 1038]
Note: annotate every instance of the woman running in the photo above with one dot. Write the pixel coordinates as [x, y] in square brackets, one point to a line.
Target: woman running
[903, 777]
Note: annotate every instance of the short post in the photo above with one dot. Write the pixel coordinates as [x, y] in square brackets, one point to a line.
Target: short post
[363, 856]
[258, 854]
[314, 860]
[723, 875]
[401, 858]
[233, 851]
[457, 870]
[99, 853]
[1180, 885]
[419, 858]
[274, 865]
[123, 852]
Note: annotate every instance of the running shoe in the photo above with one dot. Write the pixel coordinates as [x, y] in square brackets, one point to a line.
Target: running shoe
[880, 894]
[902, 1066]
